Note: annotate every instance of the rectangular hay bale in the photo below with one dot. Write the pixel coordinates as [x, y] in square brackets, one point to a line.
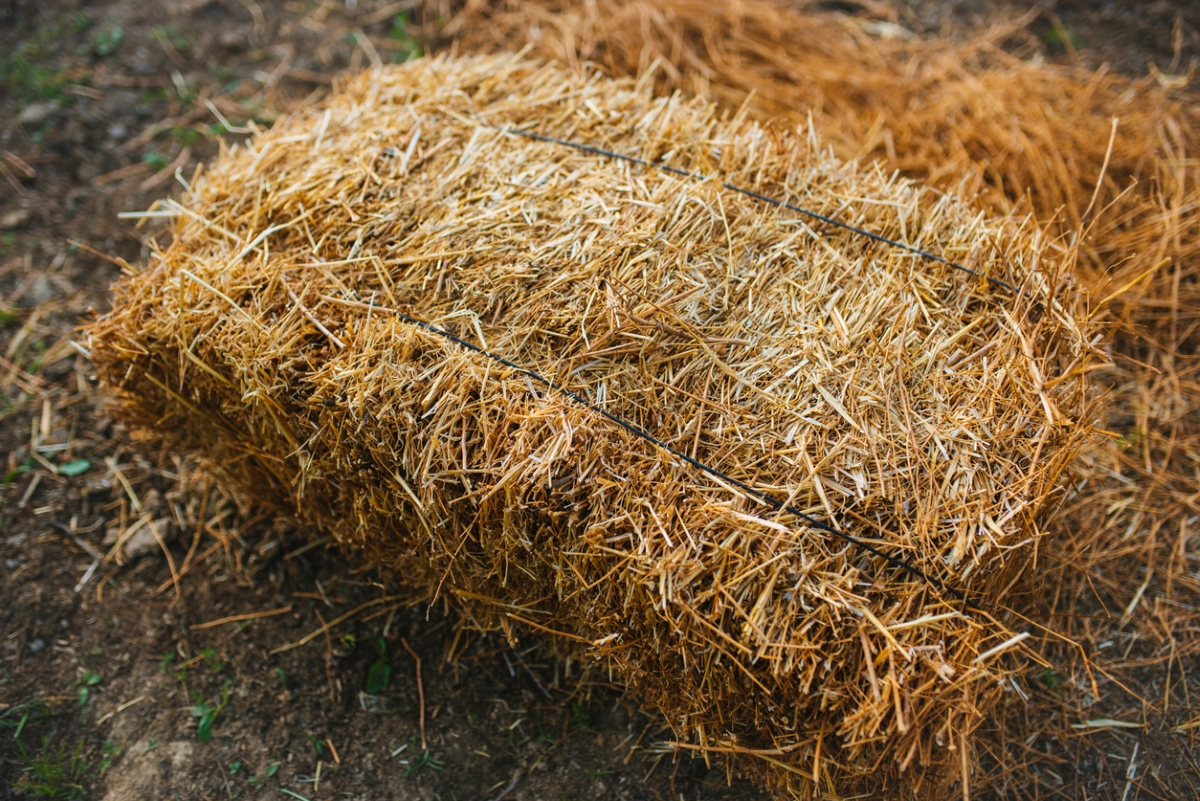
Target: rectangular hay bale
[923, 410]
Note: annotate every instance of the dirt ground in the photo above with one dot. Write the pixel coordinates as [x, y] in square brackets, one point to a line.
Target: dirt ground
[112, 683]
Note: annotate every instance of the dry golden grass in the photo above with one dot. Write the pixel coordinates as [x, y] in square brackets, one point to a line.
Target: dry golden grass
[921, 410]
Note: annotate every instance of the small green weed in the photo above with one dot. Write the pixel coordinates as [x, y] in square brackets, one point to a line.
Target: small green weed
[89, 679]
[74, 467]
[380, 674]
[207, 709]
[15, 473]
[317, 745]
[208, 712]
[581, 716]
[293, 794]
[174, 36]
[187, 136]
[426, 760]
[271, 770]
[1131, 441]
[156, 160]
[1052, 680]
[409, 48]
[105, 42]
[111, 751]
[1058, 43]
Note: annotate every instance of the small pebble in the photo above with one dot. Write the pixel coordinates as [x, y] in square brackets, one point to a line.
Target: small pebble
[37, 645]
[12, 564]
[36, 113]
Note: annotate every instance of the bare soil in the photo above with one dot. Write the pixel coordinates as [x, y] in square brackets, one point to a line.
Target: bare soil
[109, 679]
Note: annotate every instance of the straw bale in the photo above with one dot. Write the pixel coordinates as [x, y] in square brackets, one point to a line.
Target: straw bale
[925, 411]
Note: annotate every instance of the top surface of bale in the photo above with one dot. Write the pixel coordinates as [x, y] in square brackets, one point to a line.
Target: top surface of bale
[895, 398]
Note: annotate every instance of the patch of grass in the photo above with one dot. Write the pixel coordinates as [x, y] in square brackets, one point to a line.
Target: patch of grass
[52, 774]
[28, 72]
[45, 772]
[15, 717]
[25, 79]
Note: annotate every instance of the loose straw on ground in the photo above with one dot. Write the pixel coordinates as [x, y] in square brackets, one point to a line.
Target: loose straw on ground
[239, 618]
[420, 690]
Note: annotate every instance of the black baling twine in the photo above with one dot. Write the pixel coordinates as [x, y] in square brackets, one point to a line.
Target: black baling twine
[767, 498]
[641, 433]
[741, 190]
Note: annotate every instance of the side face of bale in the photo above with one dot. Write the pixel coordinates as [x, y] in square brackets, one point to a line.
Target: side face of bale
[901, 401]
